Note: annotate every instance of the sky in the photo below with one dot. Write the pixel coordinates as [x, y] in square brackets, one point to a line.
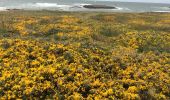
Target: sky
[154, 1]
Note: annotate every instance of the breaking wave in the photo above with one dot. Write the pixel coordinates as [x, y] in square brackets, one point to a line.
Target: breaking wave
[3, 8]
[56, 6]
[49, 5]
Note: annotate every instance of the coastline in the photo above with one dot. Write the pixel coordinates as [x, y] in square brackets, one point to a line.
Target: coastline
[86, 11]
[85, 8]
[88, 6]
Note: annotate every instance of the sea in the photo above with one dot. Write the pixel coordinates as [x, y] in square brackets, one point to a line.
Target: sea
[77, 5]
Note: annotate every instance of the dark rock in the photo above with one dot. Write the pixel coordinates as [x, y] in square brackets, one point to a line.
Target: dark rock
[99, 7]
[13, 9]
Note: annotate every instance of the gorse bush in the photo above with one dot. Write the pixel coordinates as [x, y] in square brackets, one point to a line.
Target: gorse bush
[61, 55]
[109, 31]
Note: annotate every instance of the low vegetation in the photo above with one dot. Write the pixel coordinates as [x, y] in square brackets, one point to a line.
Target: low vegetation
[84, 56]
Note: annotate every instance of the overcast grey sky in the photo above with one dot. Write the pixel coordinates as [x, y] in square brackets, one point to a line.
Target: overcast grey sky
[155, 1]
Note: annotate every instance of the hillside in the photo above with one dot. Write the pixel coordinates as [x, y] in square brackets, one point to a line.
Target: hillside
[82, 55]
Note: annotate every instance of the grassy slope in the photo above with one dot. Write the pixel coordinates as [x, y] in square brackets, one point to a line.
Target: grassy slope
[81, 55]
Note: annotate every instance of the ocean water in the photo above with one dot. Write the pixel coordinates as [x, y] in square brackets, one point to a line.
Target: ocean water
[77, 5]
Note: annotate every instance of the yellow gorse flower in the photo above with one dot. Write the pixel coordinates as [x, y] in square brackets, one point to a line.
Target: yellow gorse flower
[84, 56]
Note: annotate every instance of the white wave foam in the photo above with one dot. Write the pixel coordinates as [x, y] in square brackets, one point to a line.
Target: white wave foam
[3, 8]
[118, 8]
[121, 9]
[50, 5]
[162, 11]
[55, 6]
[41, 6]
[79, 5]
[46, 4]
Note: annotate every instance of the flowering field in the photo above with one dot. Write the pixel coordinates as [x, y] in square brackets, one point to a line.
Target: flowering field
[84, 56]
